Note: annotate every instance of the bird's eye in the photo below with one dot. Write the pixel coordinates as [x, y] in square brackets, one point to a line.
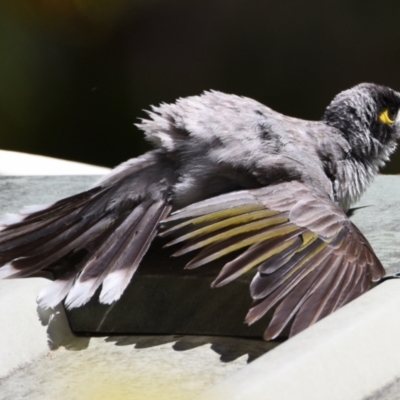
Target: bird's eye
[388, 116]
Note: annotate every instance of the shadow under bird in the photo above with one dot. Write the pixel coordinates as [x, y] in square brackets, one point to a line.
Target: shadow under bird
[229, 176]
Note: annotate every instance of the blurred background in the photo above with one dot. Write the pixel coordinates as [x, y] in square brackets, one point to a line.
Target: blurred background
[76, 74]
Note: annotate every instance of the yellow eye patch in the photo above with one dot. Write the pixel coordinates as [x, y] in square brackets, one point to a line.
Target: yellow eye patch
[385, 117]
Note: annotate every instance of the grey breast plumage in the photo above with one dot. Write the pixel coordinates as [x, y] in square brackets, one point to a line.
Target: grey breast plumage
[229, 175]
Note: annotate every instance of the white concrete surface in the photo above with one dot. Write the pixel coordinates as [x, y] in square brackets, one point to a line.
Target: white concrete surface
[122, 368]
[349, 355]
[15, 163]
[40, 359]
[22, 337]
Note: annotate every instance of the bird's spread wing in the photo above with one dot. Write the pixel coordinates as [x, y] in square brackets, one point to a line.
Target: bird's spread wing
[310, 258]
[111, 226]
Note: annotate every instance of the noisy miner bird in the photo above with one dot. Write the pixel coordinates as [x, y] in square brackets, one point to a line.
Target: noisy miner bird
[228, 174]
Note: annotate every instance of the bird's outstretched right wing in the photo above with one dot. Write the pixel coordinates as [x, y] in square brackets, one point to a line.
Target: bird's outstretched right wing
[311, 259]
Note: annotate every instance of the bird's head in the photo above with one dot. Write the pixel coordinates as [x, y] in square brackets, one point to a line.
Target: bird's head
[367, 115]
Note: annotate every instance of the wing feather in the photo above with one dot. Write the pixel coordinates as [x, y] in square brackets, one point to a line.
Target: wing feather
[293, 302]
[95, 237]
[134, 249]
[311, 259]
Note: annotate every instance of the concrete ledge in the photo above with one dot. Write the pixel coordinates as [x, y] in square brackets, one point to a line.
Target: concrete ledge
[15, 163]
[349, 355]
[40, 356]
[22, 336]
